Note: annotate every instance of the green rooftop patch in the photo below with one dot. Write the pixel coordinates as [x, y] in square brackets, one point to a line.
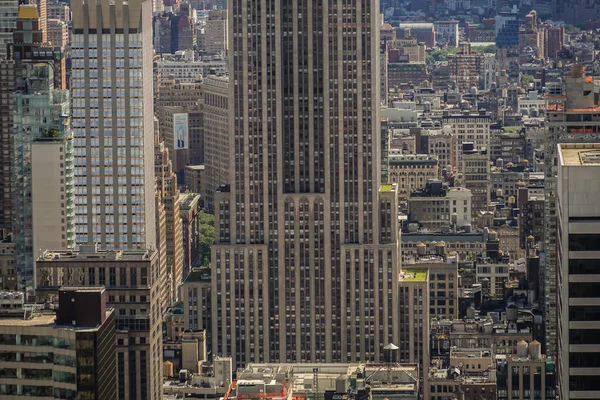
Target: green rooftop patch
[413, 276]
[386, 188]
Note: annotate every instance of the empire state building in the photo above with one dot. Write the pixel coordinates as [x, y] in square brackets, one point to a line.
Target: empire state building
[305, 265]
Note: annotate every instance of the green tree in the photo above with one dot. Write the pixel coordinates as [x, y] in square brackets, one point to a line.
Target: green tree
[206, 231]
[440, 54]
[526, 79]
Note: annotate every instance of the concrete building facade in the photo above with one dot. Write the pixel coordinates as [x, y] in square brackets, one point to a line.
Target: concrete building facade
[113, 124]
[300, 170]
[578, 232]
[136, 287]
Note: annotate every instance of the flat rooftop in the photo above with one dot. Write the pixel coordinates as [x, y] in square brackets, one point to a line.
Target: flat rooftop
[579, 154]
[408, 275]
[41, 320]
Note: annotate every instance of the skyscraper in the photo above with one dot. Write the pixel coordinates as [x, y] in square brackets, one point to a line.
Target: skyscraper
[571, 118]
[305, 265]
[577, 239]
[8, 22]
[113, 123]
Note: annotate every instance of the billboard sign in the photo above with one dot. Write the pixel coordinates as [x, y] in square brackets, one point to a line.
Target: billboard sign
[180, 130]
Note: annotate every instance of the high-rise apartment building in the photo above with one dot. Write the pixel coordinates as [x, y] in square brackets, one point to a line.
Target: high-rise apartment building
[476, 178]
[570, 118]
[305, 263]
[135, 283]
[42, 169]
[215, 106]
[578, 233]
[8, 22]
[113, 123]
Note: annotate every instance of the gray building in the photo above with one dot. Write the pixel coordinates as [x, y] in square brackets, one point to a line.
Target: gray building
[113, 123]
[306, 243]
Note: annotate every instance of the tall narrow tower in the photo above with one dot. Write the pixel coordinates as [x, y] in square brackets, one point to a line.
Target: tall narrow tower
[305, 265]
[113, 123]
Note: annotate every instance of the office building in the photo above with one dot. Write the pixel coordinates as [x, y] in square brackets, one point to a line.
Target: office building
[215, 106]
[7, 88]
[168, 193]
[195, 178]
[43, 169]
[302, 171]
[577, 238]
[411, 173]
[57, 33]
[476, 177]
[68, 355]
[196, 298]
[413, 318]
[8, 22]
[468, 127]
[447, 32]
[526, 375]
[464, 243]
[570, 118]
[8, 262]
[136, 287]
[113, 124]
[215, 32]
[507, 30]
[436, 206]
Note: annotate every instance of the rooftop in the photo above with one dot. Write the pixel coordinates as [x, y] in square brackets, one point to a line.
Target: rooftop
[580, 154]
[385, 188]
[198, 275]
[413, 276]
[92, 253]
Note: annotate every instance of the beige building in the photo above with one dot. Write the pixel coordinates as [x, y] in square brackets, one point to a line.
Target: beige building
[467, 127]
[215, 32]
[465, 244]
[215, 106]
[411, 173]
[434, 210]
[413, 295]
[51, 196]
[195, 178]
[58, 33]
[476, 178]
[305, 213]
[168, 192]
[467, 68]
[177, 97]
[441, 146]
[137, 290]
[195, 294]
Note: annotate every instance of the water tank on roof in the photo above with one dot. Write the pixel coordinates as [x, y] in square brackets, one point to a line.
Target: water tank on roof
[535, 350]
[421, 249]
[500, 163]
[474, 90]
[454, 218]
[426, 106]
[522, 349]
[440, 248]
[471, 312]
[512, 313]
[493, 235]
[499, 193]
[341, 384]
[467, 228]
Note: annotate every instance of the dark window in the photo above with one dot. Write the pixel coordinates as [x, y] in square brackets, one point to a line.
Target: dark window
[584, 242]
[584, 360]
[584, 313]
[583, 289]
[584, 336]
[582, 267]
[584, 383]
